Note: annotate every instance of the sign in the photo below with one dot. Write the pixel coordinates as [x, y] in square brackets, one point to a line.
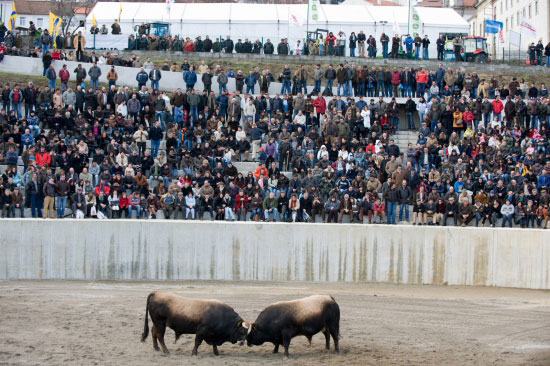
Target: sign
[492, 26]
[313, 9]
[515, 38]
[415, 23]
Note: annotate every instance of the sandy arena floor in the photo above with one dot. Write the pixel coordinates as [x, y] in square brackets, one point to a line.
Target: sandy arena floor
[100, 323]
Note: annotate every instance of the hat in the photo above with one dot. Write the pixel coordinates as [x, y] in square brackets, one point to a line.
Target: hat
[492, 192]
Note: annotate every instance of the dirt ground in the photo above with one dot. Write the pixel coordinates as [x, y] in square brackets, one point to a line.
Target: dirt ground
[100, 323]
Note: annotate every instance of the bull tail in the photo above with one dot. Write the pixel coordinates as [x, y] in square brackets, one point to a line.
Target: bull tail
[146, 327]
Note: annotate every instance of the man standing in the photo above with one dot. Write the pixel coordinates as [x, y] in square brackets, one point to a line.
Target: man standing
[94, 73]
[64, 75]
[142, 78]
[384, 40]
[49, 196]
[62, 189]
[154, 76]
[440, 43]
[79, 44]
[425, 43]
[361, 39]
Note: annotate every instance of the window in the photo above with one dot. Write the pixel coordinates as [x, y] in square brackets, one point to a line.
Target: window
[39, 22]
[530, 15]
[501, 10]
[22, 21]
[512, 21]
[523, 13]
[517, 18]
[480, 30]
[507, 24]
[536, 8]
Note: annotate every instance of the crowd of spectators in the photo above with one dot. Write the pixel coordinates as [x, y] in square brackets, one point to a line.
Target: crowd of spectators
[105, 151]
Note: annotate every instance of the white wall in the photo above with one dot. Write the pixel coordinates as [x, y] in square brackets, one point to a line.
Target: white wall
[176, 250]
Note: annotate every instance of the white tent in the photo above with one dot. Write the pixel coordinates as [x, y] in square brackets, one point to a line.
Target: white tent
[274, 21]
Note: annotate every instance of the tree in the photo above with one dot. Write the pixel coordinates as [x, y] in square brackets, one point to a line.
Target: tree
[68, 11]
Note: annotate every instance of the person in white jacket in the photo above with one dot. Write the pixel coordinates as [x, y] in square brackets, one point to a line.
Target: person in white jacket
[366, 114]
[507, 211]
[190, 204]
[122, 109]
[421, 108]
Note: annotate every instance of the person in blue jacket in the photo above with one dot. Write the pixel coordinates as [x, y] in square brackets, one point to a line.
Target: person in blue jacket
[409, 42]
[190, 78]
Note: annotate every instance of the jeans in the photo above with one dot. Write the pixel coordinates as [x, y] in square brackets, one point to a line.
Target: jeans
[410, 120]
[94, 83]
[385, 50]
[547, 61]
[178, 114]
[195, 113]
[64, 86]
[286, 88]
[18, 108]
[250, 89]
[409, 53]
[52, 84]
[61, 204]
[392, 207]
[155, 84]
[328, 87]
[417, 53]
[425, 53]
[352, 52]
[155, 144]
[302, 85]
[254, 212]
[36, 205]
[317, 88]
[407, 90]
[222, 87]
[509, 218]
[420, 89]
[349, 89]
[388, 92]
[343, 86]
[274, 214]
[404, 207]
[159, 116]
[134, 208]
[45, 48]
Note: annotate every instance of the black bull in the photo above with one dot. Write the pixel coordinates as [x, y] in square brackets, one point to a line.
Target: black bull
[282, 321]
[211, 321]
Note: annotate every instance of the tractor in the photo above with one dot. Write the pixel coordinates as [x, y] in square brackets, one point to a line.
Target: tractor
[157, 29]
[474, 49]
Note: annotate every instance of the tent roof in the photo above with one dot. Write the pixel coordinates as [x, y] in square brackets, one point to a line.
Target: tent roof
[347, 14]
[440, 16]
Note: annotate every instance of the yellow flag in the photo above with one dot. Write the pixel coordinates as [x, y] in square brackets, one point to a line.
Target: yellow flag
[119, 13]
[55, 23]
[94, 20]
[13, 18]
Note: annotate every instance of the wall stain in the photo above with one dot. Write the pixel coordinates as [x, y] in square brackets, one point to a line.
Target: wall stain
[41, 262]
[170, 264]
[213, 264]
[84, 259]
[309, 260]
[354, 271]
[235, 263]
[481, 262]
[111, 267]
[412, 264]
[363, 260]
[438, 276]
[391, 274]
[419, 278]
[400, 263]
[374, 259]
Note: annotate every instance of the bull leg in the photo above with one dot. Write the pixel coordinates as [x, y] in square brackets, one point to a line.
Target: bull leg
[160, 334]
[334, 333]
[309, 340]
[286, 343]
[327, 338]
[198, 341]
[155, 342]
[215, 349]
[276, 349]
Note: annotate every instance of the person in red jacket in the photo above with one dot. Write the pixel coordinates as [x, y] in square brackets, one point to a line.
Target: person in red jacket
[320, 105]
[498, 107]
[422, 79]
[395, 81]
[241, 204]
[43, 158]
[124, 203]
[64, 75]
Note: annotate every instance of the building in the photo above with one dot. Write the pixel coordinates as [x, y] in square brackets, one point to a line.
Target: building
[511, 13]
[463, 7]
[38, 12]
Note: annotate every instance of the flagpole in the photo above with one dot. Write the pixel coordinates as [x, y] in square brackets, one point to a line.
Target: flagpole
[307, 21]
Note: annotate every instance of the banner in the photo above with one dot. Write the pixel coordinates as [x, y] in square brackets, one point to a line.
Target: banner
[55, 23]
[527, 28]
[313, 10]
[13, 18]
[295, 20]
[492, 26]
[515, 38]
[415, 23]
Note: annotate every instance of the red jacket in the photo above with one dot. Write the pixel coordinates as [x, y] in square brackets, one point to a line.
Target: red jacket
[321, 105]
[64, 75]
[43, 159]
[124, 202]
[240, 201]
[396, 78]
[422, 77]
[498, 107]
[190, 47]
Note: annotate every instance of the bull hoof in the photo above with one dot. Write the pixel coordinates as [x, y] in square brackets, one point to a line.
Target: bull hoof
[157, 349]
[194, 353]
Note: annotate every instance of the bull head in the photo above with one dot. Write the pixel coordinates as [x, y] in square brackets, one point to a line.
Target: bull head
[246, 325]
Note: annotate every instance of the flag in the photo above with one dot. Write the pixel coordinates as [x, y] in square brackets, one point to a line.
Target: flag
[395, 24]
[492, 26]
[168, 4]
[94, 20]
[55, 23]
[296, 20]
[13, 17]
[501, 36]
[119, 13]
[527, 28]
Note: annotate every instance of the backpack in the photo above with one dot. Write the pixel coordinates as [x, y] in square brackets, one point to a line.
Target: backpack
[16, 96]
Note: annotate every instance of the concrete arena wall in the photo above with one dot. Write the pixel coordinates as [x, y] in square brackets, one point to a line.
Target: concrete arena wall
[166, 250]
